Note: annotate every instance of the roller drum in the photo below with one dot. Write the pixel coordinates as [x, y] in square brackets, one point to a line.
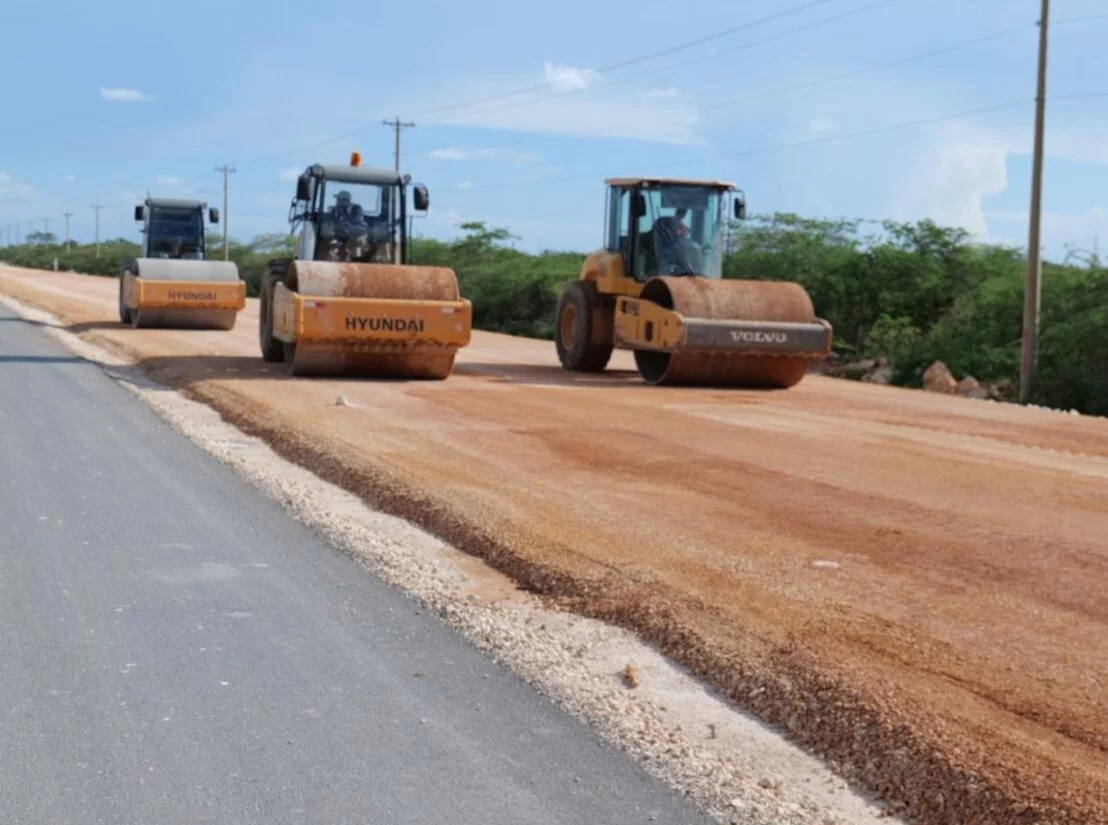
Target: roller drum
[723, 300]
[221, 319]
[176, 269]
[327, 279]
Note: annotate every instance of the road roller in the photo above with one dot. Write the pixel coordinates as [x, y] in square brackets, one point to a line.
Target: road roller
[351, 303]
[656, 288]
[171, 284]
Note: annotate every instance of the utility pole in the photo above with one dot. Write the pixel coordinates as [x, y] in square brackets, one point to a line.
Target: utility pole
[226, 170]
[97, 210]
[68, 215]
[18, 241]
[1033, 288]
[398, 126]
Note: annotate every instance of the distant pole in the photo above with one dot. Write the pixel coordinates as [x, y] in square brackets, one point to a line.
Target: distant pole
[398, 126]
[1032, 291]
[97, 209]
[46, 225]
[226, 170]
[68, 215]
[18, 240]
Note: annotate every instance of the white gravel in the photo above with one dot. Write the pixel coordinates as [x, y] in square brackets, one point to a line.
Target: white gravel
[730, 765]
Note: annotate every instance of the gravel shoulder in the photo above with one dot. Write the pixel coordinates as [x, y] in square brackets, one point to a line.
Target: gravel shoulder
[909, 585]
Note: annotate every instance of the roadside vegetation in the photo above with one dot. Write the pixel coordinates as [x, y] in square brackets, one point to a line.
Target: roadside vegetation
[900, 296]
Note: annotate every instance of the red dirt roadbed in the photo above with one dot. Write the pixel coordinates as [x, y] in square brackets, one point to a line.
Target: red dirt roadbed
[913, 585]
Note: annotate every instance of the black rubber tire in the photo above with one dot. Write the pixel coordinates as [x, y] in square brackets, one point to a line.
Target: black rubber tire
[573, 329]
[273, 349]
[124, 312]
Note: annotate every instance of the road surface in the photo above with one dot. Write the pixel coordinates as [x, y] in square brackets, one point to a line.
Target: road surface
[911, 584]
[177, 650]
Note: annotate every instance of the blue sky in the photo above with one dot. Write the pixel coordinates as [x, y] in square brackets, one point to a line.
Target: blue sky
[105, 101]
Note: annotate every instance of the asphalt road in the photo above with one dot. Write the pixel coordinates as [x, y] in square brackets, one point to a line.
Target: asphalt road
[175, 649]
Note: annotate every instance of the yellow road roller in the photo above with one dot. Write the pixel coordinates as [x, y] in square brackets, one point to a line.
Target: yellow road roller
[350, 302]
[170, 284]
[656, 288]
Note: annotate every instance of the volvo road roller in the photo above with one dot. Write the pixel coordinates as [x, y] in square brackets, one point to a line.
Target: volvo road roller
[351, 302]
[656, 288]
[171, 284]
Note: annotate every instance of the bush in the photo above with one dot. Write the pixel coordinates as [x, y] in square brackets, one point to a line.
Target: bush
[914, 293]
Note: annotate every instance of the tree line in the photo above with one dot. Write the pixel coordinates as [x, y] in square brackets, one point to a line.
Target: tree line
[911, 293]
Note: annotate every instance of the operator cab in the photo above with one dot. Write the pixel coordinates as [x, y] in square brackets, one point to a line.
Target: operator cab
[173, 228]
[353, 214]
[665, 226]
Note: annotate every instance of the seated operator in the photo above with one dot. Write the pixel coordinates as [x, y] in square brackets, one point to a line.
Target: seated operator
[675, 251]
[346, 218]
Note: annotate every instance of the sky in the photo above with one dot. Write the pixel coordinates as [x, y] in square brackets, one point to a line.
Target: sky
[873, 109]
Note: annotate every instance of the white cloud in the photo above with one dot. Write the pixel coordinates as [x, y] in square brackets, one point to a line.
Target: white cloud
[10, 189]
[668, 91]
[565, 78]
[449, 154]
[70, 178]
[290, 173]
[820, 126]
[123, 95]
[455, 153]
[600, 115]
[465, 184]
[169, 181]
[953, 178]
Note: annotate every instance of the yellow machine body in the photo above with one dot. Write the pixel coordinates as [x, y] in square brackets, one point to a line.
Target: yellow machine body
[687, 328]
[350, 302]
[378, 319]
[182, 294]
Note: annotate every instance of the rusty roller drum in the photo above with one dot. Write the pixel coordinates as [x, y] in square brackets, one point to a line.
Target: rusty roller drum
[384, 359]
[159, 269]
[701, 299]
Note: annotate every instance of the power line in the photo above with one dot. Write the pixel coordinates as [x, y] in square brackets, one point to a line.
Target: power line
[791, 145]
[870, 69]
[698, 59]
[899, 61]
[716, 105]
[642, 58]
[547, 84]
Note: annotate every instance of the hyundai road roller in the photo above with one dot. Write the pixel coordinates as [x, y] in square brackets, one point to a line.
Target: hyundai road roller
[656, 288]
[351, 302]
[171, 284]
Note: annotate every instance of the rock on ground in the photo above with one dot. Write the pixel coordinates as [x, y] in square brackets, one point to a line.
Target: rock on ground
[938, 378]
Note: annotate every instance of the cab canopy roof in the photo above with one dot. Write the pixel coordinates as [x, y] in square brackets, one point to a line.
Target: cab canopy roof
[355, 174]
[710, 184]
[175, 203]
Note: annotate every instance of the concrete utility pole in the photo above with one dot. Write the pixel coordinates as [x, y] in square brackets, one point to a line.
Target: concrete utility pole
[68, 215]
[226, 170]
[97, 210]
[1033, 290]
[46, 225]
[398, 126]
